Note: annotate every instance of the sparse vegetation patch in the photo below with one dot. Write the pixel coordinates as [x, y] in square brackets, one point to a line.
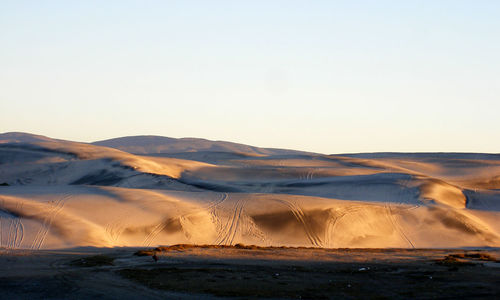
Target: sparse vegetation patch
[464, 259]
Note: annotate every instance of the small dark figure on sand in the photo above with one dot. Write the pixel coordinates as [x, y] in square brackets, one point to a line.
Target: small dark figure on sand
[155, 257]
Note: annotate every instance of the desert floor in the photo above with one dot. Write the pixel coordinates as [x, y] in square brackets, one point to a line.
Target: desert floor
[188, 272]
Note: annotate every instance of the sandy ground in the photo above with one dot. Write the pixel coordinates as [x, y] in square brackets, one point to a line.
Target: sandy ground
[209, 273]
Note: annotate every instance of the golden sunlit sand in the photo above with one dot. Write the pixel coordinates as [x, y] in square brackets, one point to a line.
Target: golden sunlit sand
[59, 194]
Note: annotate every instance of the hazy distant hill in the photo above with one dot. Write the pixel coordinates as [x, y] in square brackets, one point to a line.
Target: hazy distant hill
[148, 144]
[426, 155]
[21, 137]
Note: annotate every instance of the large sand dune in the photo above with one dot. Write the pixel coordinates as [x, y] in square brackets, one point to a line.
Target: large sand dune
[62, 194]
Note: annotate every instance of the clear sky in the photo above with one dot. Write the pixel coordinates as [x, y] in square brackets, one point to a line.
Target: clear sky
[324, 76]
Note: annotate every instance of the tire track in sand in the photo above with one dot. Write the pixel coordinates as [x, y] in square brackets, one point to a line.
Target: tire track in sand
[148, 240]
[42, 233]
[15, 228]
[334, 221]
[397, 226]
[310, 174]
[228, 232]
[216, 218]
[115, 228]
[10, 232]
[299, 214]
[18, 229]
[1, 224]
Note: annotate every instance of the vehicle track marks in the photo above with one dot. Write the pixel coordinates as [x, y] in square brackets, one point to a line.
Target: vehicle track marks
[298, 213]
[334, 221]
[154, 233]
[115, 228]
[396, 225]
[235, 222]
[310, 174]
[42, 233]
[17, 229]
[215, 212]
[12, 233]
[227, 232]
[212, 207]
[216, 203]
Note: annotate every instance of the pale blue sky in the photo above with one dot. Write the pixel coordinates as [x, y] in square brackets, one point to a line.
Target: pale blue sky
[325, 76]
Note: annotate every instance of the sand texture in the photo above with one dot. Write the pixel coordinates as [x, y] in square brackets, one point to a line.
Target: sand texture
[150, 191]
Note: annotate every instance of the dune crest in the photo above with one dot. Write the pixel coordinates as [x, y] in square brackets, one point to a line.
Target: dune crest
[444, 193]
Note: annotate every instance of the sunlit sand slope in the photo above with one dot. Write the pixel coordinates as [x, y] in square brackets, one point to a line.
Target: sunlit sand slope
[61, 194]
[68, 216]
[54, 162]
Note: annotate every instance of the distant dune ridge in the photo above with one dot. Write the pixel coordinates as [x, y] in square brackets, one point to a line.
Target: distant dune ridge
[150, 190]
[149, 144]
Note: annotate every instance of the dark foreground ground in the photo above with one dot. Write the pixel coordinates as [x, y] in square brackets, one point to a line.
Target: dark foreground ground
[187, 272]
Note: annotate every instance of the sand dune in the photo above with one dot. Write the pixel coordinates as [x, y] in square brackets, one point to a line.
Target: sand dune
[149, 144]
[61, 194]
